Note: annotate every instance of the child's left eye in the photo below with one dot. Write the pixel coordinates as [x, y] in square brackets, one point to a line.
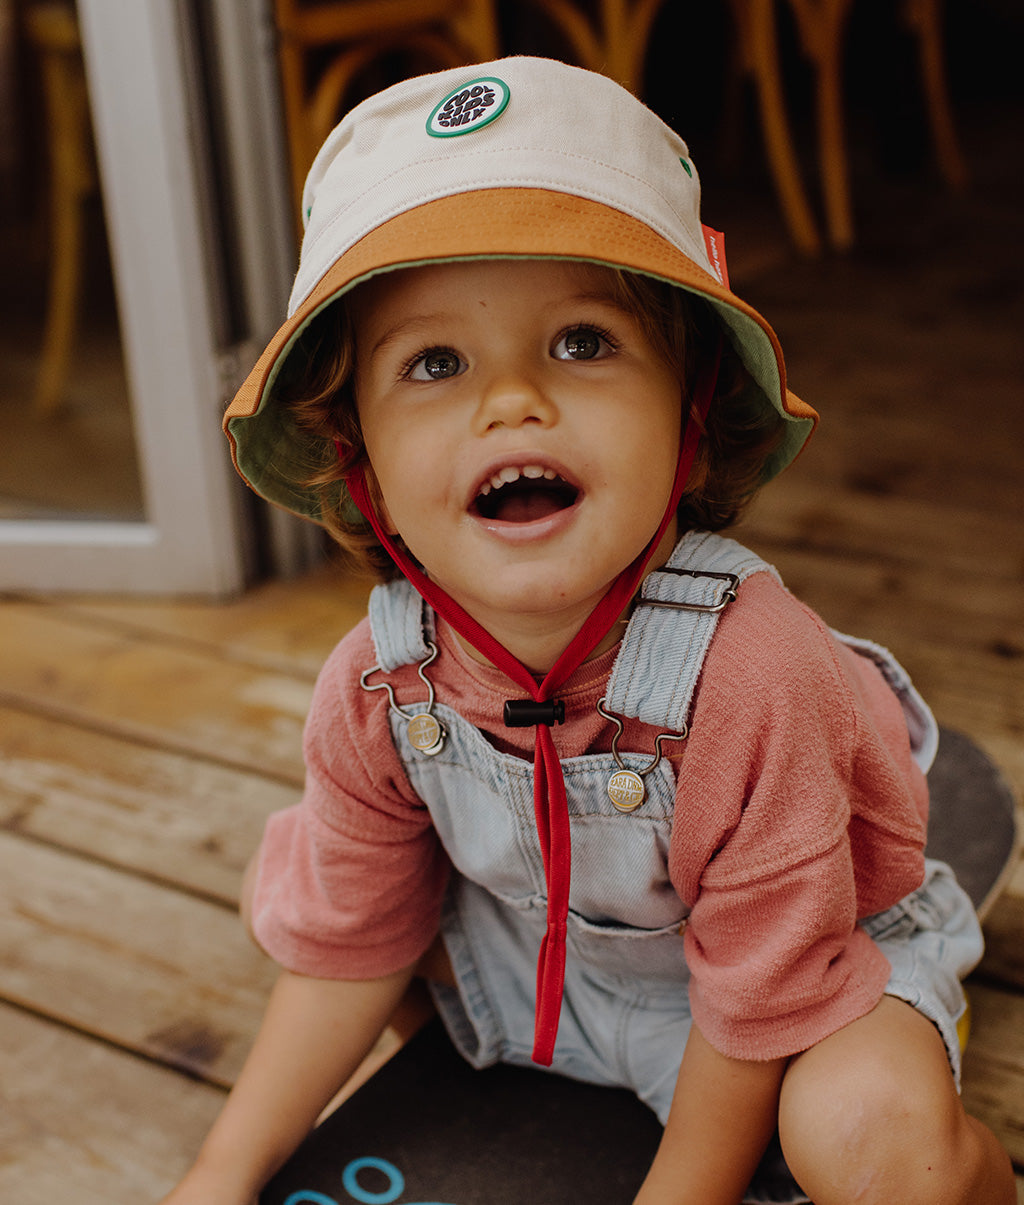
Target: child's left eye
[582, 343]
[435, 365]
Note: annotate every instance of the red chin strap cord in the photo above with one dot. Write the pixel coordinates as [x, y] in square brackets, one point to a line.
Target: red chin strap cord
[550, 805]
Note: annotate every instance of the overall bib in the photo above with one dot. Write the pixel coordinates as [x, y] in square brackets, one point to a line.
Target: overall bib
[625, 1012]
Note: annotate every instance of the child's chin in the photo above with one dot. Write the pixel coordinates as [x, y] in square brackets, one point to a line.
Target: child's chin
[541, 595]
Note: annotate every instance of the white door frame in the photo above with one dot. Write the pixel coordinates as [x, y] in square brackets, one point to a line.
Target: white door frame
[197, 534]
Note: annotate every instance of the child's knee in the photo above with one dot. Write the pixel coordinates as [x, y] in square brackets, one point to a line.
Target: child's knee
[871, 1136]
[867, 1126]
[880, 1143]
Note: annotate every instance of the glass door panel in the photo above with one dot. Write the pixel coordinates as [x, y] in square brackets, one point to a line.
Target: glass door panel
[121, 481]
[66, 429]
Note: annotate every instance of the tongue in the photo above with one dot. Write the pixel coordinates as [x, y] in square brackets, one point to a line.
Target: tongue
[528, 505]
[527, 500]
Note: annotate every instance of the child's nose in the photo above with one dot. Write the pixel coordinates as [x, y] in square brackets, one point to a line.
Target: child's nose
[513, 398]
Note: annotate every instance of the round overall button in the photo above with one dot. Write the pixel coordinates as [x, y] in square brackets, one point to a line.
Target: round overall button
[626, 790]
[425, 734]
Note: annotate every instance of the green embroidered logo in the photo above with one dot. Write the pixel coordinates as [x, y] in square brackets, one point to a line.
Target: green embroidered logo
[469, 108]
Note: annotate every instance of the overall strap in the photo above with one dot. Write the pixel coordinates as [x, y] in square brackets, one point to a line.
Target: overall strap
[401, 624]
[671, 628]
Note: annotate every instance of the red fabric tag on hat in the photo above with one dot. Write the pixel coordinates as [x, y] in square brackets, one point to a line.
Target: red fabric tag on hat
[714, 241]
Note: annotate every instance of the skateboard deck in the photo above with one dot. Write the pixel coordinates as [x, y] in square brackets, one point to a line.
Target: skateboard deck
[973, 823]
[429, 1130]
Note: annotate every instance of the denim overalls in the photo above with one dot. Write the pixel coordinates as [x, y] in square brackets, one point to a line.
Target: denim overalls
[625, 1013]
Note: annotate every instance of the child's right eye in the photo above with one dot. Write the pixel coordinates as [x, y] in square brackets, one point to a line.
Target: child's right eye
[434, 365]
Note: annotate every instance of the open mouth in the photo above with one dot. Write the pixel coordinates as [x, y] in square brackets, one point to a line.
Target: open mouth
[523, 495]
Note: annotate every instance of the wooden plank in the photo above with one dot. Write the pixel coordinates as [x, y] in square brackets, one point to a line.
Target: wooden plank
[175, 818]
[289, 626]
[828, 518]
[1004, 947]
[994, 1065]
[910, 453]
[149, 969]
[878, 597]
[917, 455]
[173, 697]
[983, 697]
[82, 1122]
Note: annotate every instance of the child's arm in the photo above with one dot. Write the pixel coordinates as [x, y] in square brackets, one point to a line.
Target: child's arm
[723, 1115]
[313, 1037]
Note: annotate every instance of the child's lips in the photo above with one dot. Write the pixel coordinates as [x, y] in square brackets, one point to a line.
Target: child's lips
[531, 531]
[528, 497]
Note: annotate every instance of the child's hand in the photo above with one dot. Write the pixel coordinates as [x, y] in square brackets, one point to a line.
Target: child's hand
[314, 1035]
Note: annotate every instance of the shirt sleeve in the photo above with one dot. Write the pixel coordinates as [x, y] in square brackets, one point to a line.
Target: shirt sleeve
[351, 878]
[799, 810]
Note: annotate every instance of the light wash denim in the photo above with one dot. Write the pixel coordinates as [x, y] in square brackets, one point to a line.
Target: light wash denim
[625, 1011]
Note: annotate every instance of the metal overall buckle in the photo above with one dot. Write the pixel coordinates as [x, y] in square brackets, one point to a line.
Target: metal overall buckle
[626, 787]
[706, 608]
[425, 731]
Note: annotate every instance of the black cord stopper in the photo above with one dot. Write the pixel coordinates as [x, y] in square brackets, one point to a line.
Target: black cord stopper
[524, 713]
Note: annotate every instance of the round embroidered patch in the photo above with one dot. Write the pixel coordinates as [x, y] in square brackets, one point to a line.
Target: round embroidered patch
[469, 108]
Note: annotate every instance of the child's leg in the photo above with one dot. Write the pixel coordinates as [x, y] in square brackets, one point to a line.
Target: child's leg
[871, 1114]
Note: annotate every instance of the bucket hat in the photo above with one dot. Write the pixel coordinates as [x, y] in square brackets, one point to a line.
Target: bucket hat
[518, 157]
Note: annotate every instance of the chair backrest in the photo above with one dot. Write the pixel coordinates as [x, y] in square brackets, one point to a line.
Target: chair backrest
[323, 45]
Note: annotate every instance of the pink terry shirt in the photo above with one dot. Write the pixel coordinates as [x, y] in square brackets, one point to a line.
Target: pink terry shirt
[799, 809]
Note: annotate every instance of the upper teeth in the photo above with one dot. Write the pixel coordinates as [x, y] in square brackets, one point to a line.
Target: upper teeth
[510, 474]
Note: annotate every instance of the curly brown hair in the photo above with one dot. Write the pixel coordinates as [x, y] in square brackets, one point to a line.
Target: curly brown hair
[738, 439]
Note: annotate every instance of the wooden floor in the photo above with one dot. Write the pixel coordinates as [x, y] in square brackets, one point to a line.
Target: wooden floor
[142, 745]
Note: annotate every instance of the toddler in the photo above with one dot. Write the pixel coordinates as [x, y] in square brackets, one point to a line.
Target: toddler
[637, 813]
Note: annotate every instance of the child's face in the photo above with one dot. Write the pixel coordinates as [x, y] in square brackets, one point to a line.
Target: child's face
[525, 372]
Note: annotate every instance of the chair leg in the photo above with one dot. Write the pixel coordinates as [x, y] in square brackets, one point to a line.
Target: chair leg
[72, 180]
[586, 46]
[476, 28]
[833, 163]
[924, 18]
[626, 31]
[300, 148]
[763, 59]
[62, 308]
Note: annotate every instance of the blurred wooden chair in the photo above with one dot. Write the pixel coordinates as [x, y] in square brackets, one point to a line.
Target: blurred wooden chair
[822, 25]
[324, 44]
[612, 37]
[758, 56]
[51, 28]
